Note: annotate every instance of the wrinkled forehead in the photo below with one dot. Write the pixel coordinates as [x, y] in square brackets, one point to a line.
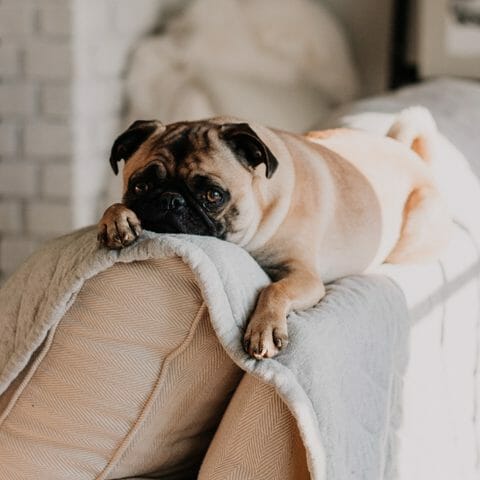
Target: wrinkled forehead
[184, 141]
[184, 148]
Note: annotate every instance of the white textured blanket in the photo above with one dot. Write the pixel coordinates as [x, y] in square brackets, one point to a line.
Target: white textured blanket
[339, 376]
[242, 61]
[440, 430]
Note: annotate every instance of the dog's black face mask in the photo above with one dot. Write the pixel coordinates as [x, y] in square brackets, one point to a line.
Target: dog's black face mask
[171, 206]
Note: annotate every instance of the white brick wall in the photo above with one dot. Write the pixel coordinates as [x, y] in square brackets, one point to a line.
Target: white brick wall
[8, 139]
[55, 19]
[62, 64]
[14, 248]
[48, 60]
[16, 19]
[9, 61]
[17, 99]
[56, 181]
[56, 101]
[18, 179]
[104, 98]
[48, 139]
[11, 216]
[35, 113]
[48, 218]
[106, 31]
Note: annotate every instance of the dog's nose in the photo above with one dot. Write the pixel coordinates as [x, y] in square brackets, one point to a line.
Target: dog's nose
[171, 201]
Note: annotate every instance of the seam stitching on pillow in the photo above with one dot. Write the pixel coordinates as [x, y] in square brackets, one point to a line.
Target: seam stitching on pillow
[28, 377]
[153, 394]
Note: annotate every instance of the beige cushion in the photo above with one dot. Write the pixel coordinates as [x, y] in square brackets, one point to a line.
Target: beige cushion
[131, 382]
[258, 438]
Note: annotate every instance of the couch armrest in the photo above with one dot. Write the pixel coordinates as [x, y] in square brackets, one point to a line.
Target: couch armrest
[131, 381]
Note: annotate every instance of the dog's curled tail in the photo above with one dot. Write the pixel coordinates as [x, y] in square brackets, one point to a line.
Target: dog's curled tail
[416, 128]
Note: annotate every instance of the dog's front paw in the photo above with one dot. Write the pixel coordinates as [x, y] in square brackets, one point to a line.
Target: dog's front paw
[119, 227]
[265, 336]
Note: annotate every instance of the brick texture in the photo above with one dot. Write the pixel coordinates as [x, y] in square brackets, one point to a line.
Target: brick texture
[8, 139]
[57, 181]
[47, 218]
[54, 123]
[17, 99]
[55, 19]
[13, 250]
[9, 61]
[18, 179]
[56, 101]
[48, 139]
[16, 19]
[11, 220]
[48, 60]
[35, 111]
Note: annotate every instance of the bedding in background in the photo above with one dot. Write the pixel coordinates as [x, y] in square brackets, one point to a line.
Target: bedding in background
[283, 63]
[440, 431]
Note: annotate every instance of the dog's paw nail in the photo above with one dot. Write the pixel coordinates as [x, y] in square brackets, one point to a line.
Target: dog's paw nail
[259, 351]
[135, 228]
[280, 338]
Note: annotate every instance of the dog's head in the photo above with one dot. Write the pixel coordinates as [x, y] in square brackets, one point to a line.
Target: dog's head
[194, 177]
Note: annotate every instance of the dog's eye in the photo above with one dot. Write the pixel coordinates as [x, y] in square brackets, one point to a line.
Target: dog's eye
[213, 195]
[141, 187]
[257, 154]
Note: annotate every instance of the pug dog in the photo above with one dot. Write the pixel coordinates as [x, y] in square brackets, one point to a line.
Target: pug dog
[309, 208]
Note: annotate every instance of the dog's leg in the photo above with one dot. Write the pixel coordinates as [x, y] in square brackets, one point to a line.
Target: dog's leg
[426, 228]
[266, 332]
[119, 227]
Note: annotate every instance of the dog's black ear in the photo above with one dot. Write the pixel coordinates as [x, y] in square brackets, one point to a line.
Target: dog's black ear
[248, 146]
[130, 140]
